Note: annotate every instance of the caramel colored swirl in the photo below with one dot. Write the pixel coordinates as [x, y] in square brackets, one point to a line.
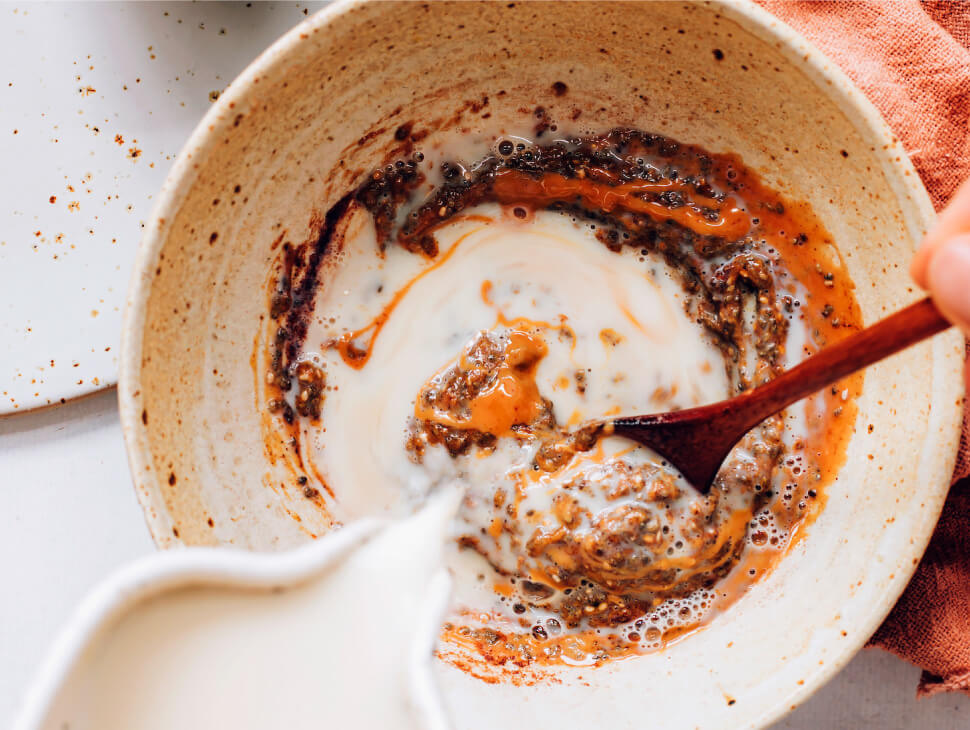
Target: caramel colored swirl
[491, 388]
[726, 220]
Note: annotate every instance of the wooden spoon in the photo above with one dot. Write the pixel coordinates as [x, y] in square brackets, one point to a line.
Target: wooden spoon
[697, 440]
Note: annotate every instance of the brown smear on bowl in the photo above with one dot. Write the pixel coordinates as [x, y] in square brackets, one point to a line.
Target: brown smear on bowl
[281, 445]
[713, 220]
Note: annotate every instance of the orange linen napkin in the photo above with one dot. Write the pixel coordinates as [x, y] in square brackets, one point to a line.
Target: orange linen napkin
[912, 59]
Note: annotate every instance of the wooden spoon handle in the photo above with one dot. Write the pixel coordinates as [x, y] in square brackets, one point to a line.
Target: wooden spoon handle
[886, 337]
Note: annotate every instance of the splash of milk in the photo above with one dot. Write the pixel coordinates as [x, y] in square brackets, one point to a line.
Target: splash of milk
[492, 267]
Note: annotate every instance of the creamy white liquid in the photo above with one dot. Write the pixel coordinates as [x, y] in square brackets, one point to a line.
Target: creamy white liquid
[549, 269]
[350, 648]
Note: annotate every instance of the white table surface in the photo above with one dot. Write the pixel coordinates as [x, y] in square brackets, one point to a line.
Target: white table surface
[70, 517]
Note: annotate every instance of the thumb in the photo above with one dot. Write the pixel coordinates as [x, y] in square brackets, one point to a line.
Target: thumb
[948, 280]
[954, 220]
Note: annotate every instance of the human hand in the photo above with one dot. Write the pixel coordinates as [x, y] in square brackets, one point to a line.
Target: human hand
[942, 263]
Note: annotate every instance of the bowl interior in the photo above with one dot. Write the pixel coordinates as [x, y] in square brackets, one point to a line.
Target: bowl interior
[320, 108]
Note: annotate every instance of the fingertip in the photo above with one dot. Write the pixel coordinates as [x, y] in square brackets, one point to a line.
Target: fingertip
[953, 221]
[918, 266]
[966, 376]
[947, 276]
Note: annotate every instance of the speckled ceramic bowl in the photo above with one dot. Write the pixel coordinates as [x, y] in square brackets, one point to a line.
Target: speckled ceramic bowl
[301, 124]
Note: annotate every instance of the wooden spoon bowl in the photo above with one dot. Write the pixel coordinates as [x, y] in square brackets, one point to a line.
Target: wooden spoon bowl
[697, 440]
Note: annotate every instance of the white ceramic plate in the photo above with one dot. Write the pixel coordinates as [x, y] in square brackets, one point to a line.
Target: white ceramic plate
[96, 99]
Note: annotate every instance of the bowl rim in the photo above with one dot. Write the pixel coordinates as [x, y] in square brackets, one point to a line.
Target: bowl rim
[831, 80]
